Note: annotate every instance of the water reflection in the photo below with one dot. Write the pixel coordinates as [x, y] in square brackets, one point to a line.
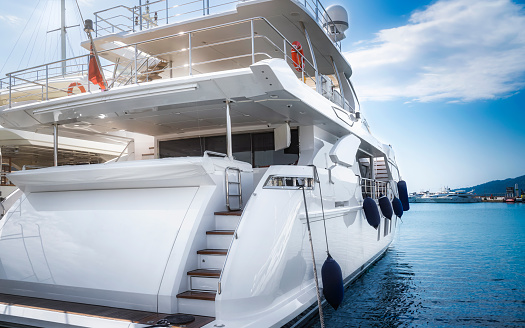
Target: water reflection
[451, 266]
[382, 297]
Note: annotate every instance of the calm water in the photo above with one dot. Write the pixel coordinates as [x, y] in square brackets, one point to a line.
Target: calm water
[451, 265]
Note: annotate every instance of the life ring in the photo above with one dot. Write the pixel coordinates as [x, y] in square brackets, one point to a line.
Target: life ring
[298, 60]
[75, 84]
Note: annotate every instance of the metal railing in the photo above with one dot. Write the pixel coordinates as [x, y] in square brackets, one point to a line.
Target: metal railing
[150, 14]
[256, 38]
[238, 193]
[373, 188]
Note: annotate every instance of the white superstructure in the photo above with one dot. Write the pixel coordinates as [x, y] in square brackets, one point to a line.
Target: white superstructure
[204, 215]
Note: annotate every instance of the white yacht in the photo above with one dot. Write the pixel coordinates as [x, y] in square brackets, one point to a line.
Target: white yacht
[446, 196]
[248, 159]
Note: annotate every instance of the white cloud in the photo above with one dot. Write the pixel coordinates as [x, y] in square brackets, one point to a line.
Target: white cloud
[10, 19]
[453, 50]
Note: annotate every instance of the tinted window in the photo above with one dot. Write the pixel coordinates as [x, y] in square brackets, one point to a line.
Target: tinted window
[254, 148]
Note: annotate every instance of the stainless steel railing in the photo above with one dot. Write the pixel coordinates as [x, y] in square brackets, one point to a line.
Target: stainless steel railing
[152, 13]
[373, 188]
[253, 37]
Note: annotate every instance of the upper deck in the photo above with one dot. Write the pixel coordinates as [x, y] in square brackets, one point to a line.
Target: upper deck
[192, 38]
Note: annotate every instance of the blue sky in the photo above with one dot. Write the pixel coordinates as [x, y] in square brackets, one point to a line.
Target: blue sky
[441, 81]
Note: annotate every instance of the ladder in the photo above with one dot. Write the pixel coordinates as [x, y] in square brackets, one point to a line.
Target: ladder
[236, 191]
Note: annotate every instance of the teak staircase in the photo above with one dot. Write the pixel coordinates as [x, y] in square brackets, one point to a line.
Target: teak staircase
[203, 281]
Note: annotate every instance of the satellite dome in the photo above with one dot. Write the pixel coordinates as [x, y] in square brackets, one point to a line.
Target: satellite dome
[336, 22]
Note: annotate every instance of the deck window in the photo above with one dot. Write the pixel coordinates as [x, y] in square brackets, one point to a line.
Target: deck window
[254, 148]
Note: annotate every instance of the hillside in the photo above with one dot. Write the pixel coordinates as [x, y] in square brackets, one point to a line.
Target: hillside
[497, 186]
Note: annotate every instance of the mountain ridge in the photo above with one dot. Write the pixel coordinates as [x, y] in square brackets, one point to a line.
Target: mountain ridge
[497, 187]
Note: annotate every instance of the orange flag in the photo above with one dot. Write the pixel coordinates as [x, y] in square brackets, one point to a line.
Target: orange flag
[94, 74]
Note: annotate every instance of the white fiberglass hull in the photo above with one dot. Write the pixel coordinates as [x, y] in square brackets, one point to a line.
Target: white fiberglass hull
[119, 241]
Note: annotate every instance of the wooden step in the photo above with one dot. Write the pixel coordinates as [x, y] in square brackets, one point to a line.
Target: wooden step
[215, 273]
[220, 232]
[234, 213]
[205, 296]
[213, 252]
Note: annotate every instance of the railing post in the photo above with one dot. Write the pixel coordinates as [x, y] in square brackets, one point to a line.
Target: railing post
[9, 90]
[89, 86]
[140, 14]
[133, 18]
[208, 7]
[55, 144]
[96, 25]
[189, 54]
[47, 82]
[167, 8]
[316, 10]
[136, 67]
[229, 151]
[284, 49]
[253, 41]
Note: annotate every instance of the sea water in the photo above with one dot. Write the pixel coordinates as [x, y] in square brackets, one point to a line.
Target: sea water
[451, 265]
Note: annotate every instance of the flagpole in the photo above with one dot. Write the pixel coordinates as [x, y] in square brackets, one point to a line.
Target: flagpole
[88, 28]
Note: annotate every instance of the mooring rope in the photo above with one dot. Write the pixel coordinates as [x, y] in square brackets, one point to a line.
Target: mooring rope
[316, 178]
[321, 317]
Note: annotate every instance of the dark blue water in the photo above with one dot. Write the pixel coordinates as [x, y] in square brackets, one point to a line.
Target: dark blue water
[451, 265]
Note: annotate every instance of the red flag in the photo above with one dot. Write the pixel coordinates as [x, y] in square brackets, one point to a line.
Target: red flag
[94, 74]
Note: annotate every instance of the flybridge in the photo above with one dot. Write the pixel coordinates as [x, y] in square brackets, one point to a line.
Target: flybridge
[150, 14]
[212, 43]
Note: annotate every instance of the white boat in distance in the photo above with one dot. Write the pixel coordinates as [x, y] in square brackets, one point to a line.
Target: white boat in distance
[447, 196]
[240, 146]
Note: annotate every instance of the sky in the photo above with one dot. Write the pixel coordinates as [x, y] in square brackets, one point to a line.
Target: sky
[442, 81]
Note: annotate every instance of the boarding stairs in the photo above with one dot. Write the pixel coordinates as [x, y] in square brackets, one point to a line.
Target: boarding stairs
[204, 281]
[380, 169]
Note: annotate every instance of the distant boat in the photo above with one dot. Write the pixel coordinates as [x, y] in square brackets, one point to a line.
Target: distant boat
[447, 196]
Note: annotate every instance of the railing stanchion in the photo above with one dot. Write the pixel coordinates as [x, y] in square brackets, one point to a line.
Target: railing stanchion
[96, 25]
[316, 10]
[167, 8]
[140, 14]
[284, 49]
[136, 67]
[253, 42]
[47, 82]
[189, 54]
[133, 18]
[89, 86]
[55, 144]
[9, 90]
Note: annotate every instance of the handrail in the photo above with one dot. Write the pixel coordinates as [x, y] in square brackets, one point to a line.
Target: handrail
[136, 71]
[238, 182]
[123, 150]
[373, 188]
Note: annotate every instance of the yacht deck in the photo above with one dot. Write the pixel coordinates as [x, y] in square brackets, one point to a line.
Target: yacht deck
[103, 312]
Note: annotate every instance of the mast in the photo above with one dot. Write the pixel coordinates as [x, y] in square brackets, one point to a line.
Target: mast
[63, 34]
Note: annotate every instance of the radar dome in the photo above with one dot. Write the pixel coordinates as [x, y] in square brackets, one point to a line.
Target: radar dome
[336, 22]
